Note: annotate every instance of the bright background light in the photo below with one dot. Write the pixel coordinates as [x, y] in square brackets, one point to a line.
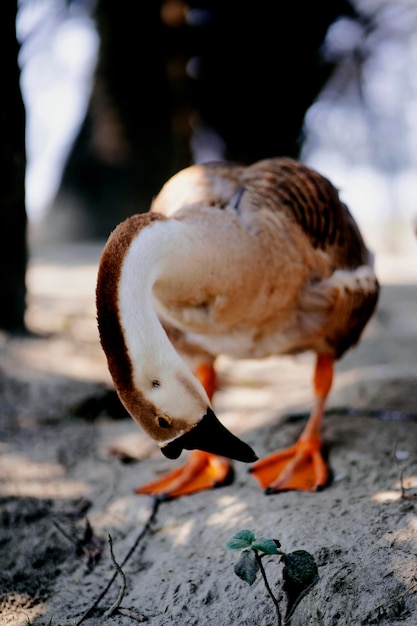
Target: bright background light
[361, 132]
[58, 59]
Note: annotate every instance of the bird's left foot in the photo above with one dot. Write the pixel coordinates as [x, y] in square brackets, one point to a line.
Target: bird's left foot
[202, 470]
[299, 467]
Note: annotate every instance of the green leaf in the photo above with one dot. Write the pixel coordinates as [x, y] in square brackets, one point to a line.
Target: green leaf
[300, 568]
[247, 567]
[264, 544]
[300, 575]
[241, 540]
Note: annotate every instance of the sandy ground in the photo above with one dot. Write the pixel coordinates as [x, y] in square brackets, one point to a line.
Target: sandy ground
[66, 498]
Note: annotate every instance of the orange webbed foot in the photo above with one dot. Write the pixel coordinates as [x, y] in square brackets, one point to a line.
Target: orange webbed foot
[299, 467]
[201, 471]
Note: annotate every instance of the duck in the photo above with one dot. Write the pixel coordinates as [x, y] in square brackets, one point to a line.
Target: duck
[248, 261]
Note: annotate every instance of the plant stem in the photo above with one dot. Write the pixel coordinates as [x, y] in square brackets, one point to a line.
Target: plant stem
[268, 588]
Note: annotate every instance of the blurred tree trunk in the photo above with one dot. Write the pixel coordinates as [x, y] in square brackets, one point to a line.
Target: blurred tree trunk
[248, 71]
[132, 138]
[13, 221]
[261, 68]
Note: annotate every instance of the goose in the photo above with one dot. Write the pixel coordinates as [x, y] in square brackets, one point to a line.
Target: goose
[245, 261]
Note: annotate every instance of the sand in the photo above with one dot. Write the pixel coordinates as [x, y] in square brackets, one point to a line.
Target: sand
[68, 470]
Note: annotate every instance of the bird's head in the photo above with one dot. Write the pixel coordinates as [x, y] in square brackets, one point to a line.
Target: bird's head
[171, 405]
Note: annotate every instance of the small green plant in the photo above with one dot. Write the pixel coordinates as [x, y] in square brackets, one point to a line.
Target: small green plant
[299, 573]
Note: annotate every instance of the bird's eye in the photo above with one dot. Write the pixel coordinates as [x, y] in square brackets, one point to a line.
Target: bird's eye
[163, 422]
[156, 384]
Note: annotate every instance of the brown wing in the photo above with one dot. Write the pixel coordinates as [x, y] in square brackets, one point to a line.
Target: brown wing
[338, 307]
[331, 313]
[281, 184]
[310, 200]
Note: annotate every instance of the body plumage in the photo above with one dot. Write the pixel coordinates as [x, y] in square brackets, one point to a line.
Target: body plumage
[245, 261]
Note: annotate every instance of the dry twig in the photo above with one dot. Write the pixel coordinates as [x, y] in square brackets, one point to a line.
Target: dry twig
[142, 534]
[115, 607]
[404, 495]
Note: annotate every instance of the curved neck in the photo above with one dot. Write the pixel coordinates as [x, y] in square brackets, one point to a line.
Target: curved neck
[144, 263]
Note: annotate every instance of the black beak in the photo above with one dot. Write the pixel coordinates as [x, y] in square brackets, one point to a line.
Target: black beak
[209, 435]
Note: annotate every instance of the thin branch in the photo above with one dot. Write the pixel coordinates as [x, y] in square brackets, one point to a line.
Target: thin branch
[143, 532]
[75, 542]
[400, 596]
[114, 608]
[404, 495]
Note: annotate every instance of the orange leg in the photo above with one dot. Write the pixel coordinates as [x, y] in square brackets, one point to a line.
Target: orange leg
[202, 470]
[301, 466]
[206, 374]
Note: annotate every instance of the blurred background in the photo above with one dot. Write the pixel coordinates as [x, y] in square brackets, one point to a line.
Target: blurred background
[119, 96]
